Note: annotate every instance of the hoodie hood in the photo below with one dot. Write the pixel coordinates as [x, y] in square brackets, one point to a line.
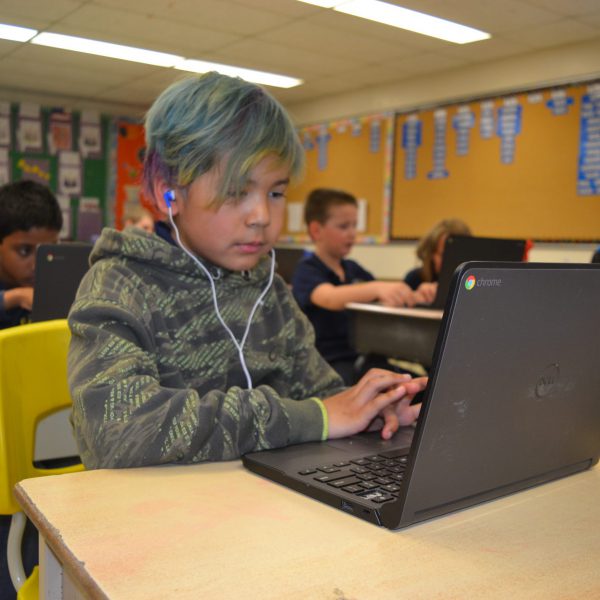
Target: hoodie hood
[150, 249]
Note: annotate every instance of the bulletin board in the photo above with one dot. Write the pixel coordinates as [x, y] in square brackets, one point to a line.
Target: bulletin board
[65, 150]
[353, 155]
[522, 166]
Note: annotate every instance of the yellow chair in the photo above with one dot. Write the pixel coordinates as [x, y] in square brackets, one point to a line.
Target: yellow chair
[33, 385]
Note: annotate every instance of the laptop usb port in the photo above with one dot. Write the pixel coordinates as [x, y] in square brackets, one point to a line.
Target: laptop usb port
[347, 506]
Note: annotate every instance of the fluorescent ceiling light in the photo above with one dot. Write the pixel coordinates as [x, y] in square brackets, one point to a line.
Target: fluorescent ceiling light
[16, 34]
[77, 44]
[396, 16]
[160, 59]
[322, 3]
[200, 66]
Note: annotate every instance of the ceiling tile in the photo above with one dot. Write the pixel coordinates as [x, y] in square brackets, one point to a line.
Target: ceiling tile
[572, 8]
[143, 31]
[45, 11]
[295, 62]
[321, 38]
[565, 31]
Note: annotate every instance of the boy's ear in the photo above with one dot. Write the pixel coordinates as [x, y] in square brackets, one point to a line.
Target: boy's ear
[161, 190]
[314, 229]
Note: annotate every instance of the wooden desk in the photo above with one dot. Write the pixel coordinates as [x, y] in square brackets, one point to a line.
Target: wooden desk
[218, 531]
[405, 333]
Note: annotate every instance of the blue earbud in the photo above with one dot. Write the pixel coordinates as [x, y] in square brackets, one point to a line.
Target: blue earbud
[169, 197]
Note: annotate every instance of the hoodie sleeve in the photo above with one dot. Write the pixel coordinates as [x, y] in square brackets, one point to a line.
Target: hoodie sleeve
[129, 412]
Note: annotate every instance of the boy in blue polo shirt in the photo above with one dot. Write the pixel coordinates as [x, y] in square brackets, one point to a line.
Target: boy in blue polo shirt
[326, 281]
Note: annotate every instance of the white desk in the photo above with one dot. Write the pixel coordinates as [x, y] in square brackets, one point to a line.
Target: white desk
[406, 333]
[217, 531]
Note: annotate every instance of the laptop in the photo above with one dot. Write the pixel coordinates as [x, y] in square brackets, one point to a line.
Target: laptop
[512, 402]
[59, 269]
[459, 249]
[286, 260]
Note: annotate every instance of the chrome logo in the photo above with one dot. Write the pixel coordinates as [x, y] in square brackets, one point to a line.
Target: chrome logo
[470, 282]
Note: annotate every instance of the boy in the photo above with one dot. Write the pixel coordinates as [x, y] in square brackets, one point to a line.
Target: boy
[135, 215]
[326, 281]
[185, 346]
[29, 216]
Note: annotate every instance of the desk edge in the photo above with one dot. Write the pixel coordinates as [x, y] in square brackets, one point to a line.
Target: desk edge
[55, 542]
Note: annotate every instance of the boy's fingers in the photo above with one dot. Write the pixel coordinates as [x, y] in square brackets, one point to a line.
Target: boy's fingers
[391, 423]
[384, 399]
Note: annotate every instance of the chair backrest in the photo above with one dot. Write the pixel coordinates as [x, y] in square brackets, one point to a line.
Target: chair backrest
[33, 385]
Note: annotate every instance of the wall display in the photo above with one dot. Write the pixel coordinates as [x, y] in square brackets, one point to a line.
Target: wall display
[52, 146]
[352, 155]
[524, 165]
[129, 164]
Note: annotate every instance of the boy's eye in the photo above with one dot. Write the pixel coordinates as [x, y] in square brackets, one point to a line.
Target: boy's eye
[276, 195]
[25, 251]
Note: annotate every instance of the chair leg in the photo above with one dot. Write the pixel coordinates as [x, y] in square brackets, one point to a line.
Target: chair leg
[15, 561]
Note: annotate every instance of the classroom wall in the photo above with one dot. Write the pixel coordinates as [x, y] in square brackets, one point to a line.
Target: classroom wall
[571, 63]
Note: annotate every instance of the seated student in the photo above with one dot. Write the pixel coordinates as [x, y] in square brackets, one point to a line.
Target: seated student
[29, 216]
[430, 251]
[326, 281]
[186, 347]
[135, 215]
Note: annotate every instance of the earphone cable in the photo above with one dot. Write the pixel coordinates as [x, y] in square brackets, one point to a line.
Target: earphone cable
[239, 345]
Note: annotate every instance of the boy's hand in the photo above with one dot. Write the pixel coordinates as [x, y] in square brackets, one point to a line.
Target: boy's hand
[394, 293]
[381, 399]
[18, 297]
[426, 292]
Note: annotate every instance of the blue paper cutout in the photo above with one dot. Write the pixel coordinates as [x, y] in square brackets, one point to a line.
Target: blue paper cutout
[411, 140]
[588, 173]
[509, 126]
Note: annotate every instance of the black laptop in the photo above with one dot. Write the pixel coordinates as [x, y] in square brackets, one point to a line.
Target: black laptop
[286, 260]
[59, 269]
[460, 249]
[512, 402]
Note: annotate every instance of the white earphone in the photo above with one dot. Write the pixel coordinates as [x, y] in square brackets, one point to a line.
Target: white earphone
[169, 197]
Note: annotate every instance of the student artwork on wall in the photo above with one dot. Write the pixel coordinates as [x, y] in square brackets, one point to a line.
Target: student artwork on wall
[4, 124]
[4, 166]
[90, 134]
[60, 131]
[29, 130]
[524, 165]
[69, 173]
[46, 144]
[352, 155]
[129, 153]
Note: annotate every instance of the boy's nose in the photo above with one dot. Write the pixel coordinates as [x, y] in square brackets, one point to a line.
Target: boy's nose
[259, 214]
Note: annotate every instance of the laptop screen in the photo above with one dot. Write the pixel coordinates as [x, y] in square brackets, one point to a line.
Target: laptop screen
[459, 249]
[59, 269]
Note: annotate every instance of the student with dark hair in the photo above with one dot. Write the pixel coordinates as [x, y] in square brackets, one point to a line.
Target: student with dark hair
[326, 281]
[186, 347]
[29, 216]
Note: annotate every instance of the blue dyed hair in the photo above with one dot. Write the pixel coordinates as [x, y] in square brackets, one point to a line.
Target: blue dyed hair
[199, 121]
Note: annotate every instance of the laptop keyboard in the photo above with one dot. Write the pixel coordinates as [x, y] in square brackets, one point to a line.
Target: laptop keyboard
[377, 477]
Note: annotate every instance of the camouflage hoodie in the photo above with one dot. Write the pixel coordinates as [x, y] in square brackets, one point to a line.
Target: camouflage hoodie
[156, 379]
